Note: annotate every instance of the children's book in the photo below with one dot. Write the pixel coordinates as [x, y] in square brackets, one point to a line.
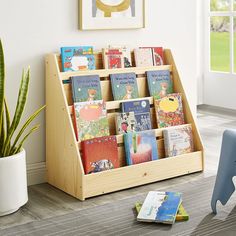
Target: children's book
[86, 88]
[178, 140]
[143, 57]
[99, 154]
[159, 83]
[160, 207]
[113, 58]
[126, 54]
[77, 58]
[140, 147]
[141, 109]
[125, 122]
[181, 215]
[169, 110]
[90, 120]
[124, 86]
[157, 55]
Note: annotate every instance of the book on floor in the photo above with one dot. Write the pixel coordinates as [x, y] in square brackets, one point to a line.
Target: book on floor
[112, 58]
[143, 57]
[77, 58]
[86, 88]
[181, 215]
[169, 110]
[90, 119]
[160, 207]
[159, 83]
[100, 154]
[124, 86]
[141, 109]
[140, 147]
[125, 122]
[178, 140]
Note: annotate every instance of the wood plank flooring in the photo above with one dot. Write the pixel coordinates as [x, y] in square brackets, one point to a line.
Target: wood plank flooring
[46, 201]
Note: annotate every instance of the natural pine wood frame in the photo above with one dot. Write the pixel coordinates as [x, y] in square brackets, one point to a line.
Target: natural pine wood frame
[64, 165]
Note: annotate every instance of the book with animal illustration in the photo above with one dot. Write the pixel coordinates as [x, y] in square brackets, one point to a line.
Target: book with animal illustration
[77, 58]
[124, 86]
[143, 57]
[126, 54]
[141, 109]
[125, 122]
[159, 83]
[160, 207]
[100, 154]
[113, 58]
[178, 140]
[157, 55]
[90, 119]
[140, 147]
[169, 110]
[86, 88]
[181, 215]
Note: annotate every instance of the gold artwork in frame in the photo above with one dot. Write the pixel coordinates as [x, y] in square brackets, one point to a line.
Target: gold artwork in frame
[112, 14]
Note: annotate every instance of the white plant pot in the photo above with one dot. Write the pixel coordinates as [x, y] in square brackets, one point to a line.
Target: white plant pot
[13, 183]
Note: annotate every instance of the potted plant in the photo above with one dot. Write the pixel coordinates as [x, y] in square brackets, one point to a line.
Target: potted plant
[13, 182]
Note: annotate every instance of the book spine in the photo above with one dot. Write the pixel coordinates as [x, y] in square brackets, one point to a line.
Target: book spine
[127, 149]
[166, 143]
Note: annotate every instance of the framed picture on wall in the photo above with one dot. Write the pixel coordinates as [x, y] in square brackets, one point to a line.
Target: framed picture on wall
[112, 14]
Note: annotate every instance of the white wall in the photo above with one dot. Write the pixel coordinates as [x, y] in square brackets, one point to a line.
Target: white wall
[30, 29]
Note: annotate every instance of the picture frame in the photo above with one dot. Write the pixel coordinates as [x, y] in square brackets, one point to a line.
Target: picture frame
[111, 14]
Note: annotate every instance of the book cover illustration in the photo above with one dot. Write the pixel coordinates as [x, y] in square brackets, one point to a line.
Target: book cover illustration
[181, 215]
[77, 58]
[100, 154]
[124, 86]
[125, 122]
[159, 83]
[141, 109]
[160, 207]
[143, 57]
[126, 54]
[169, 110]
[113, 58]
[91, 119]
[86, 88]
[178, 140]
[158, 56]
[140, 147]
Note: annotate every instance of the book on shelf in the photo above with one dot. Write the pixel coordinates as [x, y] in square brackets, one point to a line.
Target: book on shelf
[124, 86]
[178, 140]
[159, 83]
[141, 109]
[157, 55]
[140, 147]
[143, 57]
[77, 58]
[181, 215]
[112, 58]
[126, 54]
[169, 110]
[125, 122]
[160, 207]
[90, 119]
[100, 154]
[86, 88]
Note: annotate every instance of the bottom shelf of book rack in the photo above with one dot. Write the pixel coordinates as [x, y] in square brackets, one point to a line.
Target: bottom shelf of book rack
[140, 174]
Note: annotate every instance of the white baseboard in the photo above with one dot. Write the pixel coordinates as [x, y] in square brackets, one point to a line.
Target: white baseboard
[36, 173]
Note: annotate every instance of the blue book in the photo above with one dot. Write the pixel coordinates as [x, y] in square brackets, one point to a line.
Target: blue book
[124, 86]
[77, 58]
[86, 88]
[159, 83]
[161, 207]
[141, 109]
[140, 147]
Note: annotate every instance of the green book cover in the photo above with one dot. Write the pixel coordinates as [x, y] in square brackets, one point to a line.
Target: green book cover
[182, 215]
[124, 86]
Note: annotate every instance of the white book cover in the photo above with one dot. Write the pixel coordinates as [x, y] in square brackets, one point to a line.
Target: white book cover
[143, 57]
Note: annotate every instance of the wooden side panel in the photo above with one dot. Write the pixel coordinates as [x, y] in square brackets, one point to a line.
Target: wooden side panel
[131, 176]
[64, 167]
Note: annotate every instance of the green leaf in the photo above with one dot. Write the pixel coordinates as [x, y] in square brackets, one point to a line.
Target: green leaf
[7, 114]
[2, 137]
[2, 86]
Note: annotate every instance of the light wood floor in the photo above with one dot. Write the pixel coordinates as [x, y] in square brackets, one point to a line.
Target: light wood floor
[46, 201]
